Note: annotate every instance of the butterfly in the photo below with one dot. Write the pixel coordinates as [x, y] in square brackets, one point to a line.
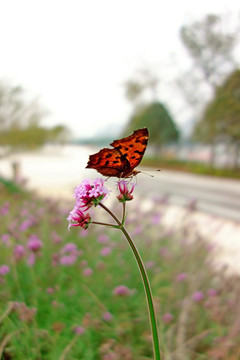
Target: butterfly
[123, 158]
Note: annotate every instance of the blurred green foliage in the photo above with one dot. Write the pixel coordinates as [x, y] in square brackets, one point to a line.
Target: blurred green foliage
[221, 119]
[20, 120]
[41, 303]
[159, 122]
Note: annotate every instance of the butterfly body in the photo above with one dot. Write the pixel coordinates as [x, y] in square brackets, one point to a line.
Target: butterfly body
[123, 158]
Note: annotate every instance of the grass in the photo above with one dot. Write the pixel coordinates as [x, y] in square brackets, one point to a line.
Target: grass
[190, 166]
[60, 301]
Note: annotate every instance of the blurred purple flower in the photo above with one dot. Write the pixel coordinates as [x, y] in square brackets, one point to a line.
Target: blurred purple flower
[79, 330]
[212, 292]
[121, 290]
[106, 251]
[149, 264]
[164, 252]
[4, 269]
[68, 260]
[181, 277]
[197, 296]
[25, 225]
[83, 233]
[19, 252]
[6, 239]
[50, 290]
[156, 218]
[138, 229]
[4, 209]
[69, 248]
[31, 259]
[167, 318]
[87, 272]
[34, 243]
[107, 316]
[83, 263]
[103, 239]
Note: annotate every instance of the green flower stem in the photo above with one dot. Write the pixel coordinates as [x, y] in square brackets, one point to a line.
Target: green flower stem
[124, 212]
[145, 282]
[101, 223]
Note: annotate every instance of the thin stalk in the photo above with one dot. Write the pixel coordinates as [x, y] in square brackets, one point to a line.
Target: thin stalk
[124, 212]
[110, 213]
[101, 223]
[146, 284]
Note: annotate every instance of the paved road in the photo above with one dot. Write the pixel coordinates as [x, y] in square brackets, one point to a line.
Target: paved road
[213, 195]
[56, 171]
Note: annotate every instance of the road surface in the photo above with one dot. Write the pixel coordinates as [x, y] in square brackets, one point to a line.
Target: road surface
[213, 195]
[55, 171]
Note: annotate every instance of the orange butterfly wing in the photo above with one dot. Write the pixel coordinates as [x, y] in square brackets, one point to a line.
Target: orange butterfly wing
[125, 156]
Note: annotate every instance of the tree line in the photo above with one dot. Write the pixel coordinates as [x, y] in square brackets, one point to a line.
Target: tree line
[211, 87]
[20, 122]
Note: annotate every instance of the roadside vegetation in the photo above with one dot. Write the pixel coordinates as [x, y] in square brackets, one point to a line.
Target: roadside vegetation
[77, 294]
[190, 167]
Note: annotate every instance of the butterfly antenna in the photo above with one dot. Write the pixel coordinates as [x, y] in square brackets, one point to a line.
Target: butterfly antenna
[145, 173]
[142, 172]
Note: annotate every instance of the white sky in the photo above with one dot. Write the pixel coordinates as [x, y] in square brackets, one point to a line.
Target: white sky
[76, 54]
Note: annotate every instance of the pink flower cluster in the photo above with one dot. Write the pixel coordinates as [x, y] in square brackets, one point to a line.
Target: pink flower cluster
[87, 194]
[125, 193]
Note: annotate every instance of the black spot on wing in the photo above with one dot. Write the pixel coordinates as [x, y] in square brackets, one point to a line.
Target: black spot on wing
[139, 152]
[143, 142]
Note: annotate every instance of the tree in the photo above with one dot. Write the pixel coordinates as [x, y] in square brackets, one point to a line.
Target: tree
[157, 119]
[211, 49]
[144, 81]
[221, 118]
[20, 121]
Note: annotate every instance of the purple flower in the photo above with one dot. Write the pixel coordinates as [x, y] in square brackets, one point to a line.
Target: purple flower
[87, 272]
[103, 239]
[50, 290]
[19, 252]
[34, 243]
[25, 225]
[68, 260]
[107, 316]
[121, 290]
[88, 195]
[6, 239]
[125, 193]
[149, 264]
[4, 209]
[197, 296]
[4, 269]
[181, 277]
[81, 219]
[31, 259]
[79, 330]
[156, 218]
[69, 248]
[106, 251]
[167, 318]
[212, 292]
